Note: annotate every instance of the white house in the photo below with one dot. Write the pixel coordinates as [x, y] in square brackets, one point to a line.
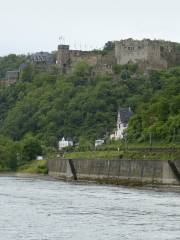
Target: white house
[99, 142]
[39, 158]
[124, 114]
[64, 143]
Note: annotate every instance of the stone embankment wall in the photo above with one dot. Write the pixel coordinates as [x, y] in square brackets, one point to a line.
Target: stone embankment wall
[120, 171]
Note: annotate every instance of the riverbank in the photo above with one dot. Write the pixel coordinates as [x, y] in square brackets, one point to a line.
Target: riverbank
[27, 175]
[128, 172]
[150, 187]
[138, 172]
[34, 169]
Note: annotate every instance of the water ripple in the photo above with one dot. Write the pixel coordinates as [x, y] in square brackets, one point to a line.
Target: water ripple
[33, 209]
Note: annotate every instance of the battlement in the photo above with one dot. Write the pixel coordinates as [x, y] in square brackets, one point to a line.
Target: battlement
[64, 47]
[66, 58]
[148, 54]
[152, 54]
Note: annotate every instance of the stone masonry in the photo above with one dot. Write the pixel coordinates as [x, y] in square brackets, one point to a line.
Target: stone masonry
[148, 54]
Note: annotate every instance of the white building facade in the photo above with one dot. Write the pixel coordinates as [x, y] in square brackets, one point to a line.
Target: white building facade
[124, 114]
[63, 143]
[99, 142]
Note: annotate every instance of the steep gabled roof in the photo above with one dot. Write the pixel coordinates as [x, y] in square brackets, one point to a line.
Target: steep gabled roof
[41, 57]
[125, 114]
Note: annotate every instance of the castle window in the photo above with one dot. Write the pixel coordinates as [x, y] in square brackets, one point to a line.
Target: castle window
[130, 48]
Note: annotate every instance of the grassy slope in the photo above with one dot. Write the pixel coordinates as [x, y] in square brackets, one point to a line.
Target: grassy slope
[34, 167]
[108, 151]
[94, 154]
[126, 155]
[119, 149]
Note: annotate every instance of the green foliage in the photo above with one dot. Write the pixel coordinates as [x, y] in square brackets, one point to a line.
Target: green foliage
[46, 106]
[8, 154]
[27, 73]
[126, 69]
[128, 154]
[37, 167]
[81, 69]
[84, 145]
[109, 46]
[94, 154]
[10, 62]
[81, 105]
[160, 115]
[14, 154]
[31, 148]
[178, 47]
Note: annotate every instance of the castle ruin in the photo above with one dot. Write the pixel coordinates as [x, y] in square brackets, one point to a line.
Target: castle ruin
[148, 54]
[66, 58]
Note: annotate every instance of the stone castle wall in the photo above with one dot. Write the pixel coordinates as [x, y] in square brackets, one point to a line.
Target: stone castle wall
[130, 50]
[149, 54]
[77, 56]
[67, 58]
[146, 53]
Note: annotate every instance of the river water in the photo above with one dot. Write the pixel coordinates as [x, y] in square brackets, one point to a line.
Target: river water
[33, 209]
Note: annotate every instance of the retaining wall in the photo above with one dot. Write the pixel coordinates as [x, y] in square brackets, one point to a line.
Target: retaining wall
[120, 171]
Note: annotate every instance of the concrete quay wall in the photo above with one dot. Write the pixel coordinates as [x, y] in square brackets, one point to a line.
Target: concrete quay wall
[118, 171]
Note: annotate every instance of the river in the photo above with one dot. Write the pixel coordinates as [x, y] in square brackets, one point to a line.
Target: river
[34, 209]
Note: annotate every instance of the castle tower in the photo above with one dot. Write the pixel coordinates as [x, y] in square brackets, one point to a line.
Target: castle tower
[148, 54]
[63, 57]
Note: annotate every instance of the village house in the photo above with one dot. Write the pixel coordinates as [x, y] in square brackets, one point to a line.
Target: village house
[63, 143]
[12, 77]
[124, 114]
[99, 142]
[41, 58]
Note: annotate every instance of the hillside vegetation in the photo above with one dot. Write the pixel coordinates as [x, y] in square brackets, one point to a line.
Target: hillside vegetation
[44, 106]
[10, 62]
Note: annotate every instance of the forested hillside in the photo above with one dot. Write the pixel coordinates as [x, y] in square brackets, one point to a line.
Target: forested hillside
[75, 105]
[43, 107]
[160, 115]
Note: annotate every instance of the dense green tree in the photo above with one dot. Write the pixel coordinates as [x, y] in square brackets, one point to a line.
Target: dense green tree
[10, 62]
[31, 148]
[48, 105]
[8, 154]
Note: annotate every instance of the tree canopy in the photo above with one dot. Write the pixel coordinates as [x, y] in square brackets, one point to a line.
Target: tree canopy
[79, 105]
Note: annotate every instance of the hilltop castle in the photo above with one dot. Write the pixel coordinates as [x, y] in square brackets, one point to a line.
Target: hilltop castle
[66, 58]
[148, 54]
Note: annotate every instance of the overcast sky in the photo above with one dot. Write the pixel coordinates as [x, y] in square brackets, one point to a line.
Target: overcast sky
[35, 25]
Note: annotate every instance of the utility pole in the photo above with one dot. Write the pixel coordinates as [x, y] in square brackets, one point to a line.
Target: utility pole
[174, 135]
[125, 141]
[150, 139]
